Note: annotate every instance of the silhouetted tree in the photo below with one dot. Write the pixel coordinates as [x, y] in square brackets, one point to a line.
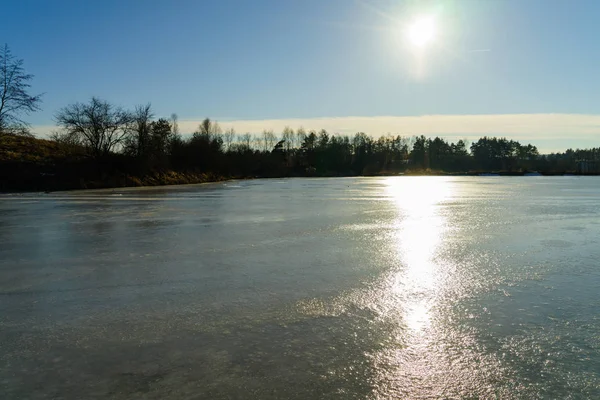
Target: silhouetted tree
[300, 137]
[174, 124]
[308, 149]
[289, 138]
[138, 142]
[310, 141]
[269, 140]
[245, 141]
[439, 153]
[208, 127]
[205, 146]
[363, 149]
[98, 125]
[228, 138]
[161, 137]
[15, 99]
[419, 152]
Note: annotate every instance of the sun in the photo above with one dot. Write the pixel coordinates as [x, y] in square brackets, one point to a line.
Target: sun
[421, 32]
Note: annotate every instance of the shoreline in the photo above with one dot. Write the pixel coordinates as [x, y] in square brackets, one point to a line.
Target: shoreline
[202, 179]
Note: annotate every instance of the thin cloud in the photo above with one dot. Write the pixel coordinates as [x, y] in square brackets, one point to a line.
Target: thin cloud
[518, 126]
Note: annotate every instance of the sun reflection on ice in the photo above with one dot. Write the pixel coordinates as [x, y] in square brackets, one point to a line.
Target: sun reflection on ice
[420, 230]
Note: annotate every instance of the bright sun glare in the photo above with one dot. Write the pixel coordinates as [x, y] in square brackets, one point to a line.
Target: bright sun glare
[421, 31]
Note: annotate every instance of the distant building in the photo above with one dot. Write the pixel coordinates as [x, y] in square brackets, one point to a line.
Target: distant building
[588, 166]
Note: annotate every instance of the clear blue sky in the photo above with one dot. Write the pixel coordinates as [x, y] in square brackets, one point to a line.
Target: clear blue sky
[283, 59]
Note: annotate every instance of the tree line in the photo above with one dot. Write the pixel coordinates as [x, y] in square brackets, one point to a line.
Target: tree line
[150, 144]
[100, 139]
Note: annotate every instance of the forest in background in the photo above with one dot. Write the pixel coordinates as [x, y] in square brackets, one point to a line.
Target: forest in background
[98, 144]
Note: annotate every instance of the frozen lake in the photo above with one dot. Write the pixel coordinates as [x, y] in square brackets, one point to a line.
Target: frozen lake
[416, 287]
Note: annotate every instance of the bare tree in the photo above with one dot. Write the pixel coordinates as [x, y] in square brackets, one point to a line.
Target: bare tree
[14, 97]
[209, 128]
[99, 125]
[257, 142]
[268, 140]
[289, 137]
[245, 141]
[65, 138]
[138, 142]
[216, 130]
[271, 140]
[300, 136]
[174, 124]
[228, 138]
